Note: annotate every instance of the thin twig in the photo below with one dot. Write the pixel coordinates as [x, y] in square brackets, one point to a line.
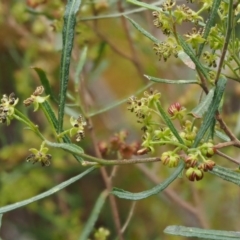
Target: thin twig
[227, 157]
[129, 217]
[135, 58]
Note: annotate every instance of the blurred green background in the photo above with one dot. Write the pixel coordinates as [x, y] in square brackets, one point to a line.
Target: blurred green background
[117, 57]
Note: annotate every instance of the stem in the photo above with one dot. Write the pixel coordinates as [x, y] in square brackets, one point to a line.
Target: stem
[19, 116]
[227, 38]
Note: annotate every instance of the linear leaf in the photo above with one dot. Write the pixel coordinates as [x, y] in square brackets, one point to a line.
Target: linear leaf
[192, 55]
[67, 36]
[143, 31]
[204, 105]
[115, 104]
[45, 82]
[202, 233]
[69, 147]
[45, 194]
[226, 174]
[145, 5]
[222, 136]
[210, 115]
[155, 190]
[93, 217]
[50, 115]
[209, 24]
[80, 65]
[162, 80]
[169, 122]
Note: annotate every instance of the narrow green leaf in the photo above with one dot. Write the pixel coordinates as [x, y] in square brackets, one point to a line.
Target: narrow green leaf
[143, 31]
[202, 233]
[226, 174]
[155, 190]
[45, 82]
[50, 115]
[169, 122]
[115, 104]
[201, 108]
[69, 147]
[211, 21]
[45, 194]
[210, 115]
[68, 36]
[222, 136]
[145, 5]
[192, 55]
[162, 80]
[80, 65]
[93, 217]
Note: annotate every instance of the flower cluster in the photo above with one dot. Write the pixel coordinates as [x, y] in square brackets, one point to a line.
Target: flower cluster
[35, 98]
[117, 144]
[142, 107]
[78, 128]
[166, 49]
[39, 156]
[7, 108]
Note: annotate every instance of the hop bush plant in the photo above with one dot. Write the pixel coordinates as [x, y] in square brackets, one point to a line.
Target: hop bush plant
[187, 140]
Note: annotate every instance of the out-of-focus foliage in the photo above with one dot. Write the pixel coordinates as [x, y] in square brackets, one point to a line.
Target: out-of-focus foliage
[117, 57]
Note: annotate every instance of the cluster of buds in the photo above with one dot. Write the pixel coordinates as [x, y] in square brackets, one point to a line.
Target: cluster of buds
[78, 128]
[39, 156]
[117, 144]
[35, 98]
[7, 108]
[170, 159]
[194, 167]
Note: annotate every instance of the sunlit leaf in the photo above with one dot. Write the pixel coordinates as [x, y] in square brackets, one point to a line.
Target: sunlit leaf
[161, 80]
[204, 105]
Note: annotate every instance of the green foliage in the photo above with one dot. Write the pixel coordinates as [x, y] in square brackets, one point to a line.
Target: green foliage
[186, 130]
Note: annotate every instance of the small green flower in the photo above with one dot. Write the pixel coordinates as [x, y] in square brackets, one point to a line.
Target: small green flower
[162, 21]
[39, 156]
[78, 128]
[183, 13]
[7, 106]
[195, 38]
[35, 98]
